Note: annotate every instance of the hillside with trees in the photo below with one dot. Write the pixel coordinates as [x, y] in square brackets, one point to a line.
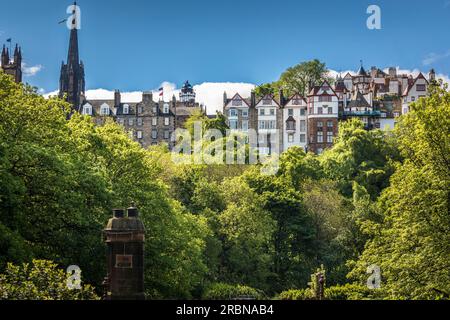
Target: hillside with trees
[221, 231]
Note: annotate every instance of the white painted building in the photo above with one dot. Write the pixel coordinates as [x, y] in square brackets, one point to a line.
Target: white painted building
[295, 123]
[269, 137]
[416, 89]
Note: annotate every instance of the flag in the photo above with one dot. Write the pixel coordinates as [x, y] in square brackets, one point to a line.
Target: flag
[9, 40]
[161, 92]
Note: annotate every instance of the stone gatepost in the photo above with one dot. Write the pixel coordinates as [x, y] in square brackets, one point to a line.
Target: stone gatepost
[124, 236]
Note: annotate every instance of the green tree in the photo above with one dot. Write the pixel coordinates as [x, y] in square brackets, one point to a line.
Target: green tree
[42, 280]
[361, 156]
[412, 243]
[302, 77]
[246, 230]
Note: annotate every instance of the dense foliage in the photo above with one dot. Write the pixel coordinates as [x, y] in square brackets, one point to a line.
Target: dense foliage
[224, 231]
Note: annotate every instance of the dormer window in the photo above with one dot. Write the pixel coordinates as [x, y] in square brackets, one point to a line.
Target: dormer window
[126, 109]
[267, 102]
[87, 110]
[166, 108]
[237, 103]
[104, 110]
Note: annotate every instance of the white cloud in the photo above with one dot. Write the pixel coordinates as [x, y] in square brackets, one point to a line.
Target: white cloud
[30, 71]
[209, 94]
[434, 57]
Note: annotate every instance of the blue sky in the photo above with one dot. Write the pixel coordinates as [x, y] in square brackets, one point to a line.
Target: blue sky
[137, 44]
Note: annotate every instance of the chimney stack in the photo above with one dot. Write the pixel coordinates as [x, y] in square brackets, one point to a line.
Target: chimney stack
[117, 98]
[124, 237]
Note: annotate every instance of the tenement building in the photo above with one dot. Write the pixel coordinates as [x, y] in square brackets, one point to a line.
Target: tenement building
[149, 122]
[377, 98]
[12, 65]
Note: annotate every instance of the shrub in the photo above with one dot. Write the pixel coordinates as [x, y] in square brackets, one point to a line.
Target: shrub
[350, 292]
[303, 294]
[42, 280]
[223, 291]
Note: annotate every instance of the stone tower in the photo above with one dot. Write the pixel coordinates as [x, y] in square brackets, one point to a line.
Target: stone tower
[124, 236]
[12, 67]
[187, 94]
[72, 83]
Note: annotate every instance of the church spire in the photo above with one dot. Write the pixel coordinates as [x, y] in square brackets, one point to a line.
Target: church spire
[73, 57]
[72, 83]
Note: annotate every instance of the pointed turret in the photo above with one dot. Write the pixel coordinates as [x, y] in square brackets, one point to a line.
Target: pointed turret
[5, 56]
[17, 55]
[72, 83]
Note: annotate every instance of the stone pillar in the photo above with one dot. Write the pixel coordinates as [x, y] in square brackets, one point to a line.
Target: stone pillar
[124, 236]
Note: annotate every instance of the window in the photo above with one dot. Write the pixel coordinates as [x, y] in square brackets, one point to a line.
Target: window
[130, 122]
[325, 99]
[291, 112]
[237, 103]
[166, 134]
[140, 122]
[291, 138]
[262, 112]
[320, 137]
[421, 87]
[139, 135]
[267, 102]
[330, 110]
[154, 134]
[245, 113]
[233, 124]
[267, 125]
[121, 121]
[320, 124]
[319, 110]
[303, 112]
[303, 125]
[140, 109]
[290, 124]
[302, 138]
[330, 124]
[272, 112]
[104, 110]
[396, 114]
[126, 109]
[166, 108]
[87, 110]
[154, 121]
[233, 113]
[245, 125]
[155, 109]
[166, 121]
[329, 137]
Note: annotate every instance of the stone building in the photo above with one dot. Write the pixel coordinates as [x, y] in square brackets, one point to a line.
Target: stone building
[12, 67]
[323, 114]
[149, 122]
[377, 98]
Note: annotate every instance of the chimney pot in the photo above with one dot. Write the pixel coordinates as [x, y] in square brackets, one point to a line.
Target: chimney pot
[118, 213]
[133, 212]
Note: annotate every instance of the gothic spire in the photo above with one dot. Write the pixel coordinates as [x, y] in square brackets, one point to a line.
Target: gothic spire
[73, 56]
